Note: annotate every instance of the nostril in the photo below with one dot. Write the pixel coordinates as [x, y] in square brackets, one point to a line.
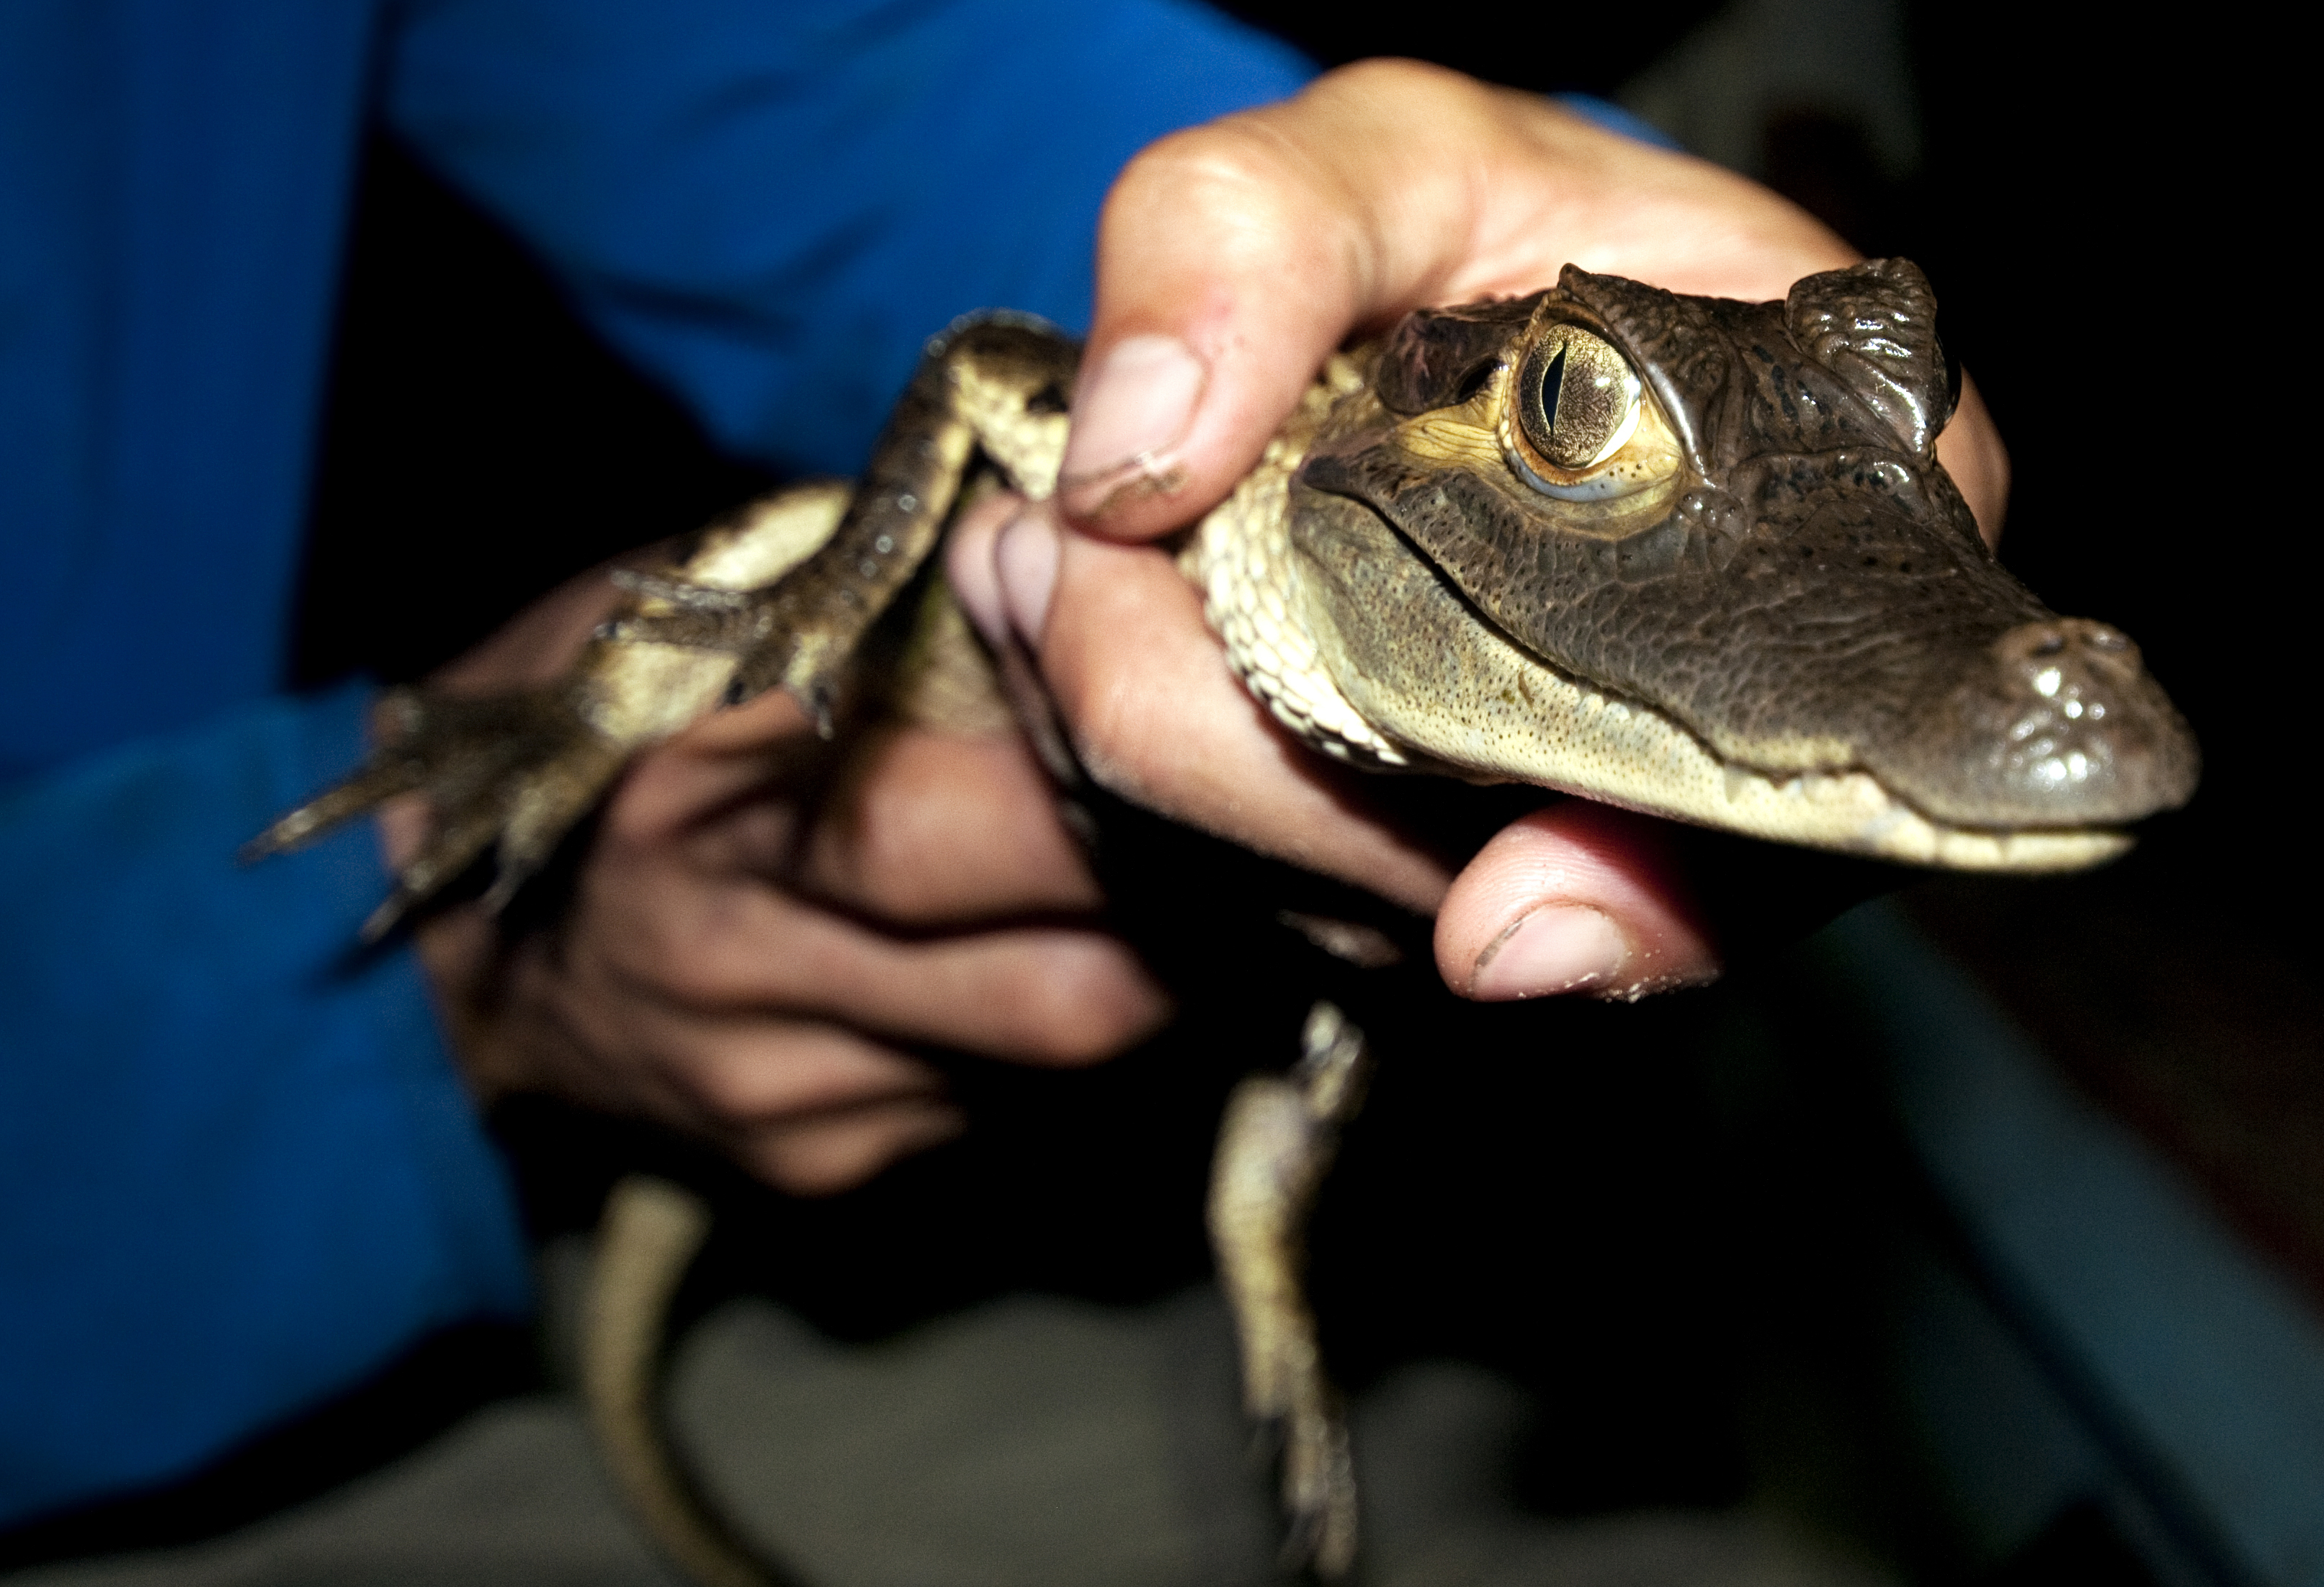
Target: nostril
[2035, 641]
[2060, 642]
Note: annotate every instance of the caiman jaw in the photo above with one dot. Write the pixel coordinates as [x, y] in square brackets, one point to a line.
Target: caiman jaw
[1358, 644]
[1516, 718]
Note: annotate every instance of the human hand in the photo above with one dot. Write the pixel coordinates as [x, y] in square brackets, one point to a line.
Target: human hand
[1232, 258]
[761, 933]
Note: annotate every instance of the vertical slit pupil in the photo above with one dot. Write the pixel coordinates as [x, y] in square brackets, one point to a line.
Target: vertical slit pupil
[1553, 382]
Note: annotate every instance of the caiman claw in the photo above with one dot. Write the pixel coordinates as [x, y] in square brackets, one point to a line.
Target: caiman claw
[512, 772]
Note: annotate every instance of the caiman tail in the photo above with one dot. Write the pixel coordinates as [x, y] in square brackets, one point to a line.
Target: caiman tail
[648, 1238]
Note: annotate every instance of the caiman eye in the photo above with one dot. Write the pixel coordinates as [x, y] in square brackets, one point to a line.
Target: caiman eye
[1577, 405]
[1579, 400]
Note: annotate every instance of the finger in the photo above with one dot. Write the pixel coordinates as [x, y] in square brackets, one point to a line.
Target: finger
[1234, 256]
[731, 769]
[936, 829]
[1157, 717]
[809, 1107]
[756, 1070]
[1576, 897]
[1047, 995]
[1971, 450]
[573, 1022]
[812, 1107]
[827, 1155]
[969, 566]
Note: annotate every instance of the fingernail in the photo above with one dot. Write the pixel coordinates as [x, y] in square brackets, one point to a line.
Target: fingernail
[1559, 947]
[1129, 420]
[1026, 558]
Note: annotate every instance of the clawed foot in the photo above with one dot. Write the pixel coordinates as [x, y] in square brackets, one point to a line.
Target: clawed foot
[1275, 1145]
[1319, 1483]
[514, 772]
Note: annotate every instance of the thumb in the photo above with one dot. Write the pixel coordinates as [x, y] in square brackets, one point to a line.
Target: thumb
[1231, 259]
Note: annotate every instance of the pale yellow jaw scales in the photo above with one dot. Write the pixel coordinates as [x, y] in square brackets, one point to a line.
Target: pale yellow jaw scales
[1241, 559]
[1498, 714]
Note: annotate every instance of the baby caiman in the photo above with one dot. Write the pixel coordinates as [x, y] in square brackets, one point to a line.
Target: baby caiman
[1688, 555]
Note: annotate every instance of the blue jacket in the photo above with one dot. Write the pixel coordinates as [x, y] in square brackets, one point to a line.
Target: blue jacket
[237, 1174]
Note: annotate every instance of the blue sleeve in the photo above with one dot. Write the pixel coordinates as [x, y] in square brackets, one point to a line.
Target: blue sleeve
[174, 180]
[237, 1168]
[771, 207]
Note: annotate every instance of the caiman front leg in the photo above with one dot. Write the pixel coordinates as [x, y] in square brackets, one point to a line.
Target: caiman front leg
[513, 772]
[780, 596]
[997, 384]
[1275, 1145]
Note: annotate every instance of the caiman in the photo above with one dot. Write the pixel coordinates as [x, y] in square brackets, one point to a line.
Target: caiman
[1692, 556]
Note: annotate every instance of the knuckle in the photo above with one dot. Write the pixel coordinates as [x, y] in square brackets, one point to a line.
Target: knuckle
[1394, 79]
[1238, 166]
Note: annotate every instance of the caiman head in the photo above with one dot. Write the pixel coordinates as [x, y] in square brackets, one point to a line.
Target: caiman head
[1698, 557]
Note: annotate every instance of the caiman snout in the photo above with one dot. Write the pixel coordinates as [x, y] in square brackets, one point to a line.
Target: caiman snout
[2056, 723]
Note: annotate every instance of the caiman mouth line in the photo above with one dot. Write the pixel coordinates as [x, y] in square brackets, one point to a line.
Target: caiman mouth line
[1560, 730]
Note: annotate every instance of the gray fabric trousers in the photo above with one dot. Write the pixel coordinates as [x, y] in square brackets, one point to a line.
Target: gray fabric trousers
[1028, 1441]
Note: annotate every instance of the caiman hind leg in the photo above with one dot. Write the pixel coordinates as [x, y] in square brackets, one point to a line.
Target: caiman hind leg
[993, 383]
[1275, 1145]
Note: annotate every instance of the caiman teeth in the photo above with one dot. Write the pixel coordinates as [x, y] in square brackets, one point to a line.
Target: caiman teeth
[1591, 742]
[1882, 823]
